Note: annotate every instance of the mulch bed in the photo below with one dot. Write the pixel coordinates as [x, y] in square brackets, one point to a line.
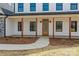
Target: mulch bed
[18, 40]
[68, 42]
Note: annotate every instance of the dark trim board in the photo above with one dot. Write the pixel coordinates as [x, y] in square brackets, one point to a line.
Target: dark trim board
[45, 13]
[22, 27]
[70, 27]
[14, 7]
[53, 28]
[36, 27]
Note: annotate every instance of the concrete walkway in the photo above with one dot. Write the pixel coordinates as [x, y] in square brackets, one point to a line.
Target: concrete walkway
[40, 43]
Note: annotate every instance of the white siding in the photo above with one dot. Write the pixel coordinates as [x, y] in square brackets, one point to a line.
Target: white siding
[9, 27]
[27, 27]
[39, 27]
[51, 26]
[39, 7]
[8, 6]
[65, 30]
[75, 33]
[52, 8]
[12, 27]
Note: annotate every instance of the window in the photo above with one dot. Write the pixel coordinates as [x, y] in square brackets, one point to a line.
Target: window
[59, 26]
[33, 26]
[20, 7]
[73, 6]
[32, 6]
[45, 7]
[19, 26]
[59, 6]
[73, 26]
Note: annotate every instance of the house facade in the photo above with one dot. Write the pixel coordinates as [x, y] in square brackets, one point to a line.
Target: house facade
[42, 19]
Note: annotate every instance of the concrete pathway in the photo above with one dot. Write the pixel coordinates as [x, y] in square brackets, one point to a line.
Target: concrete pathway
[40, 43]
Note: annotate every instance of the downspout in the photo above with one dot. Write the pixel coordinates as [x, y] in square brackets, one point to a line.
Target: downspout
[14, 7]
[5, 26]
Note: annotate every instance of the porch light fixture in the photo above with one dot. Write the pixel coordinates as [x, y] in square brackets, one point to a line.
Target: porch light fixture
[40, 21]
[50, 21]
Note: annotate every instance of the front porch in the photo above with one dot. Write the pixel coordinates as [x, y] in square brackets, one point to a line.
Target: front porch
[38, 30]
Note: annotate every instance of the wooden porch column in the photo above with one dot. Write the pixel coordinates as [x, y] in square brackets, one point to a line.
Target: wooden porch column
[69, 27]
[22, 27]
[53, 27]
[36, 27]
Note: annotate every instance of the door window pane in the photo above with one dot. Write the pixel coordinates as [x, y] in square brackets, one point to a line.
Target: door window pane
[59, 6]
[19, 26]
[73, 26]
[73, 6]
[33, 26]
[32, 6]
[45, 6]
[59, 26]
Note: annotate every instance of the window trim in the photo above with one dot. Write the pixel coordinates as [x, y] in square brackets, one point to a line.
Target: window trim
[32, 6]
[20, 6]
[76, 4]
[32, 25]
[61, 26]
[57, 9]
[75, 27]
[45, 5]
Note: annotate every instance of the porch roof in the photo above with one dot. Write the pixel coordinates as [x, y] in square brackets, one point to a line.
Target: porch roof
[1, 12]
[5, 12]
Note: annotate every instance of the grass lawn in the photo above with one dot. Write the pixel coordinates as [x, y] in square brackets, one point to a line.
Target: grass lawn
[55, 48]
[47, 51]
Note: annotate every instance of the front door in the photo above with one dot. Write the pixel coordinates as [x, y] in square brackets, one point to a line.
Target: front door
[45, 27]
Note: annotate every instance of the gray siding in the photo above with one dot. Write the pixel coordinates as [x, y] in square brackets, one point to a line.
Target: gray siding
[8, 6]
